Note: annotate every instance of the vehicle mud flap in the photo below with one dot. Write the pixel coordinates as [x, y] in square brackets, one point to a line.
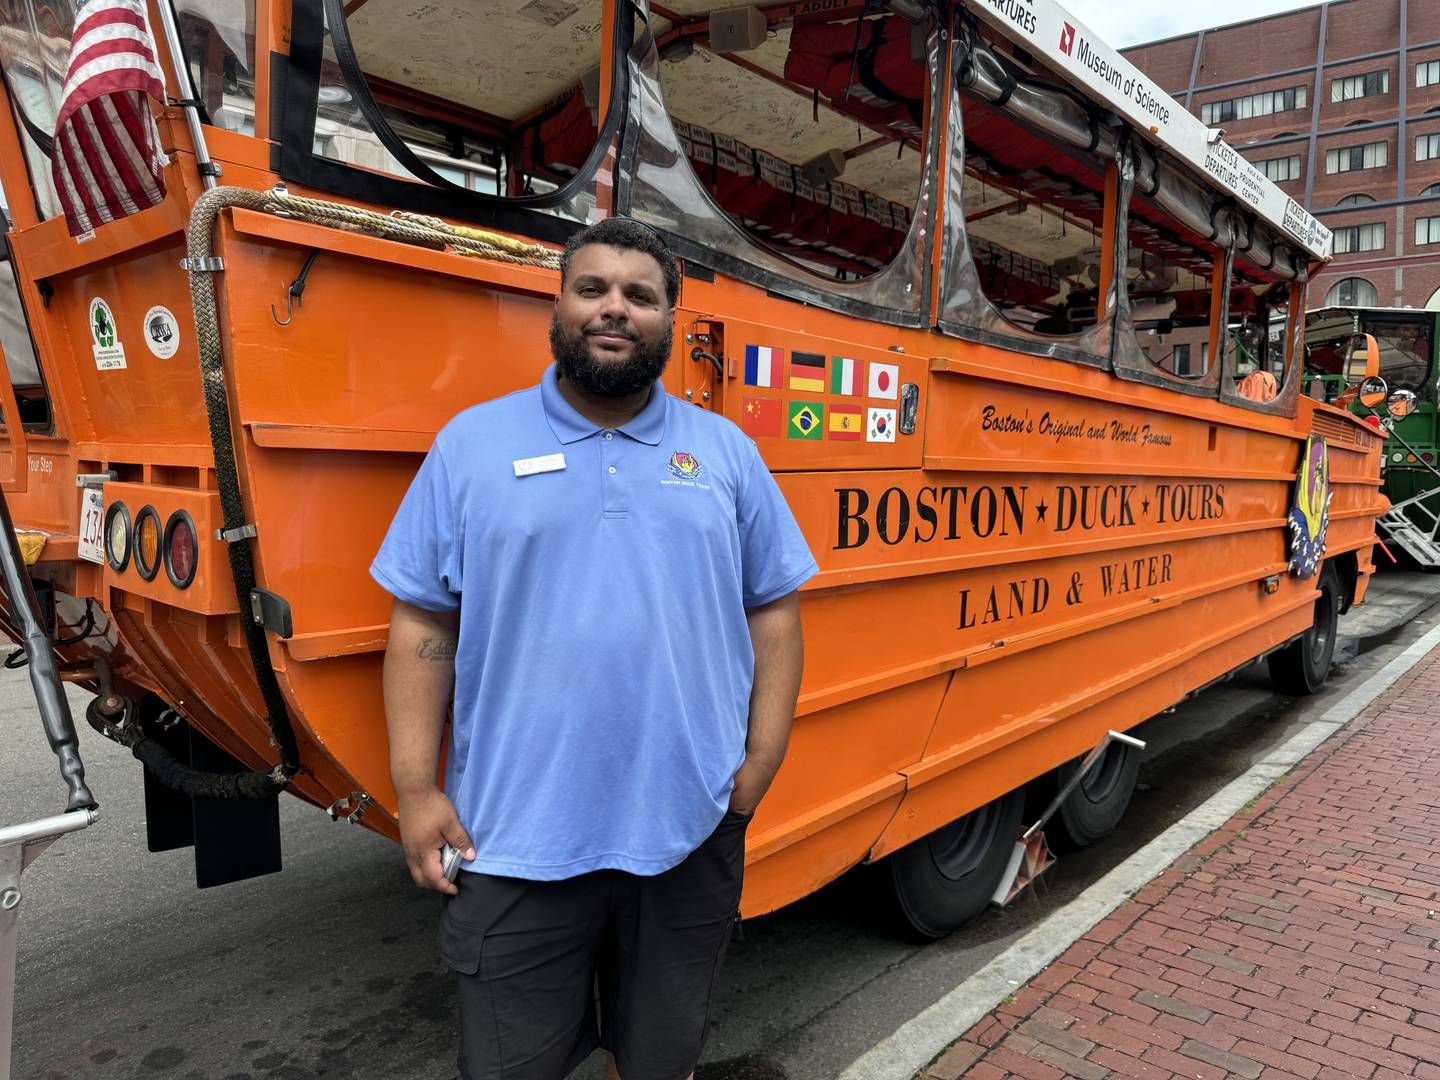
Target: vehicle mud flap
[234, 839]
[169, 821]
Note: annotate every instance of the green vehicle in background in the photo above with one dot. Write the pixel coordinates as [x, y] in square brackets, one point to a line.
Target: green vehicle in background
[1407, 340]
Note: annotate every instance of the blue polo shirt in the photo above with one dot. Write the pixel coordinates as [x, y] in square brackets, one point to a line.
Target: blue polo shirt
[603, 672]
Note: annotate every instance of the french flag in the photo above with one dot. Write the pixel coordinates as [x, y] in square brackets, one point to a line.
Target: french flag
[764, 365]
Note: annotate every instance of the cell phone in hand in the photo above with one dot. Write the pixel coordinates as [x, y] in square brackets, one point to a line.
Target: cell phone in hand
[450, 862]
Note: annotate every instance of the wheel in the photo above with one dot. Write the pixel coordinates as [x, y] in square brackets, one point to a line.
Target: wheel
[1302, 667]
[1093, 810]
[944, 880]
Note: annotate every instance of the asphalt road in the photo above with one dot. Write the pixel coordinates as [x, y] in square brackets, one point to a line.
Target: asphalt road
[329, 969]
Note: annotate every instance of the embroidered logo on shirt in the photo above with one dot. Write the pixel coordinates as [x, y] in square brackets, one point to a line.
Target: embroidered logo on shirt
[683, 466]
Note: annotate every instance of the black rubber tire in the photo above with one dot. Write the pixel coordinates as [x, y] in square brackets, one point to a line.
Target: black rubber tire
[1302, 667]
[946, 879]
[1095, 808]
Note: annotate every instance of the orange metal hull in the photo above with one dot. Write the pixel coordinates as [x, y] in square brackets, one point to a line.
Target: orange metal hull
[961, 640]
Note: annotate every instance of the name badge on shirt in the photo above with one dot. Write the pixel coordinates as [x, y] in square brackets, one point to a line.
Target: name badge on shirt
[531, 465]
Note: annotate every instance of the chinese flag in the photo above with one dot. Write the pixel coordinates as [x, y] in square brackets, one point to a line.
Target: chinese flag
[763, 418]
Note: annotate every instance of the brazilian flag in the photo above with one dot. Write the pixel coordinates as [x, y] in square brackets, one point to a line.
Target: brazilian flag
[807, 420]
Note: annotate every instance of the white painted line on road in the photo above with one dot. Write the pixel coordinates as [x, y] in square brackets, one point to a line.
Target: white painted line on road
[910, 1047]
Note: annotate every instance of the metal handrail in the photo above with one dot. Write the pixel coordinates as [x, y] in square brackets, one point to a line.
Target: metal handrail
[22, 844]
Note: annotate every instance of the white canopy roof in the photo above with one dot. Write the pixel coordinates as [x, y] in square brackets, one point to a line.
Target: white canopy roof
[1069, 47]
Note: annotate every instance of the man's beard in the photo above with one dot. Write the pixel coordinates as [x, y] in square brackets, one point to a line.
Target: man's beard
[609, 378]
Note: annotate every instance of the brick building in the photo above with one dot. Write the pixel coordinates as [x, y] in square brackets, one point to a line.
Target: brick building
[1339, 104]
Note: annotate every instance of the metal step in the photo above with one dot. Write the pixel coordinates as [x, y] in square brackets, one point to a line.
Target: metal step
[1412, 539]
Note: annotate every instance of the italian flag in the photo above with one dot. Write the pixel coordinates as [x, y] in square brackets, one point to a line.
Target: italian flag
[846, 376]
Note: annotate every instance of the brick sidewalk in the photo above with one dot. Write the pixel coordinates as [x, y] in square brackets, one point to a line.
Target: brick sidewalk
[1302, 939]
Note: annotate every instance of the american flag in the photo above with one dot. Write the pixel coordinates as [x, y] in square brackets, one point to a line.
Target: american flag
[107, 162]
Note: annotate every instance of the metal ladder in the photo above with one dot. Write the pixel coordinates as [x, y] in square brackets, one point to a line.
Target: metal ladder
[1420, 543]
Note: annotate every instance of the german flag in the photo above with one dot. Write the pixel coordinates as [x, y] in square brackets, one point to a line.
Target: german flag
[807, 372]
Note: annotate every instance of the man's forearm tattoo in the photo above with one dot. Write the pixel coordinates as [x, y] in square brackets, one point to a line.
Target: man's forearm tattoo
[436, 649]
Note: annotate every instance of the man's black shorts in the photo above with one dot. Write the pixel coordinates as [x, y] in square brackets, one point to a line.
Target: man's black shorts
[549, 970]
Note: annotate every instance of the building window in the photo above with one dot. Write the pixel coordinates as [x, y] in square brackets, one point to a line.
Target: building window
[1350, 238]
[1284, 168]
[1243, 108]
[1352, 292]
[1433, 189]
[1370, 84]
[1427, 147]
[1427, 230]
[1373, 155]
[1427, 74]
[1359, 198]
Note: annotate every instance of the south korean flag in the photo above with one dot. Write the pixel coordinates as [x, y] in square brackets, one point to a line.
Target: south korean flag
[880, 425]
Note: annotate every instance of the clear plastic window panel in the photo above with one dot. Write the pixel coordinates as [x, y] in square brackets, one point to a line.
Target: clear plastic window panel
[499, 97]
[218, 37]
[1024, 235]
[34, 55]
[832, 186]
[771, 162]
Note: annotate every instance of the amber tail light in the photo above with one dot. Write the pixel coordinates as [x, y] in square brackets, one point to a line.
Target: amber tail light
[147, 543]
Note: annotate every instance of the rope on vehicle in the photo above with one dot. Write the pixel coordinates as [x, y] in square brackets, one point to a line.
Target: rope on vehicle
[199, 243]
[416, 229]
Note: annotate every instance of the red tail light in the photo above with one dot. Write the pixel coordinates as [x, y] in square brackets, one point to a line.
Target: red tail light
[181, 549]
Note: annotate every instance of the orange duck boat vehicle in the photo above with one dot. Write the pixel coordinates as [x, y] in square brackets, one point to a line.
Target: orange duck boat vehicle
[969, 280]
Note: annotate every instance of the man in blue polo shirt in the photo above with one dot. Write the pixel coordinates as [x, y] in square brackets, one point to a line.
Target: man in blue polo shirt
[603, 579]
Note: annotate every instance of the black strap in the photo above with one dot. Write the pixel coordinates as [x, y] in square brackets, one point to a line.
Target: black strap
[1154, 171]
[302, 90]
[865, 72]
[38, 135]
[1007, 87]
[1250, 226]
[1218, 207]
[44, 142]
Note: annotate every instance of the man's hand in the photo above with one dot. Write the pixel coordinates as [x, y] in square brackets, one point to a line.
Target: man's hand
[779, 657]
[419, 681]
[428, 821]
[752, 781]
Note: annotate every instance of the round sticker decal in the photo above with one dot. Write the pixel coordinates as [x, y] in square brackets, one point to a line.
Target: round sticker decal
[162, 332]
[104, 337]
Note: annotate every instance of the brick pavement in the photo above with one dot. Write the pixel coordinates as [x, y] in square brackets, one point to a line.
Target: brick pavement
[1301, 940]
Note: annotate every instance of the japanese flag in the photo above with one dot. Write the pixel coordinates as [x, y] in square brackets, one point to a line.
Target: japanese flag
[884, 381]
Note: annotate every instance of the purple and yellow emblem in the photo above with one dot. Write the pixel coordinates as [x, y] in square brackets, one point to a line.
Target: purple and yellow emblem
[683, 466]
[1310, 515]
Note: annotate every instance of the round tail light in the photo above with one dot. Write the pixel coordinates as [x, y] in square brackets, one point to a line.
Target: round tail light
[117, 536]
[147, 543]
[181, 549]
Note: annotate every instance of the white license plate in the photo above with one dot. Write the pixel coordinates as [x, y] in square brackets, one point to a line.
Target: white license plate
[92, 522]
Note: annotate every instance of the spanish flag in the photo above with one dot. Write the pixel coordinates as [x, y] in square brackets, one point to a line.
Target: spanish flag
[846, 422]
